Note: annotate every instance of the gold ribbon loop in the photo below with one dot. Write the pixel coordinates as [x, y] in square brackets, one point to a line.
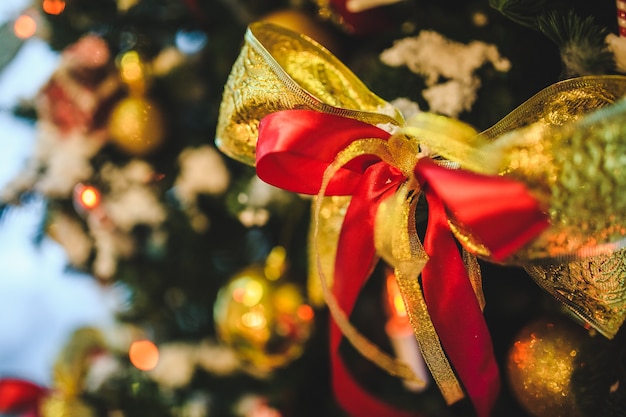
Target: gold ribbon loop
[277, 70]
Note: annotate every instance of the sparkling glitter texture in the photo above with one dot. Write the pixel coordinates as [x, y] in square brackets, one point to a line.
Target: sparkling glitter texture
[541, 362]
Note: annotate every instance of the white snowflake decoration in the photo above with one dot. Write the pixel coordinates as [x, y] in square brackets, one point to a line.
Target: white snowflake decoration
[440, 60]
[202, 171]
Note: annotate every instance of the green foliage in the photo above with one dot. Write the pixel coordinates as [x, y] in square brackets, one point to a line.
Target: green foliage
[570, 28]
[581, 42]
[523, 12]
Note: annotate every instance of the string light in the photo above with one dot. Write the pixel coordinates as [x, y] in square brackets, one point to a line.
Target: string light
[143, 354]
[53, 7]
[395, 303]
[305, 312]
[25, 26]
[87, 197]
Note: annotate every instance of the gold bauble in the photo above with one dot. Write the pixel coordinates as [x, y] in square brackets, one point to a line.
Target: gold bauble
[59, 406]
[136, 126]
[545, 355]
[265, 321]
[300, 22]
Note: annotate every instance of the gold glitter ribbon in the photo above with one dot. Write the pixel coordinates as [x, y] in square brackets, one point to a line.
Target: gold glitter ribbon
[568, 143]
[572, 160]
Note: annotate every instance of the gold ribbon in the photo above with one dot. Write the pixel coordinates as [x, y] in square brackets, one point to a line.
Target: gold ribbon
[572, 160]
[568, 141]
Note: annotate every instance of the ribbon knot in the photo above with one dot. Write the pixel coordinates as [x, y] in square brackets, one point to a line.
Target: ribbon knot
[404, 153]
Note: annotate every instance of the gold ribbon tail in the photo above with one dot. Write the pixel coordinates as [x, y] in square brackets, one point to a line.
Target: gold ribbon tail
[397, 242]
[363, 345]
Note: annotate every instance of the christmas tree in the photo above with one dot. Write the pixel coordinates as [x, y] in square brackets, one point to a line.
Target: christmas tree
[333, 208]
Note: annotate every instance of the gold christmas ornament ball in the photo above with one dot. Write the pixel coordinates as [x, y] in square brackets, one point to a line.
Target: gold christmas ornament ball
[266, 322]
[60, 406]
[136, 126]
[544, 357]
[300, 22]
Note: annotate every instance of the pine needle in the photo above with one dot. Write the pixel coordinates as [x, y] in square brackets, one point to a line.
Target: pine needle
[581, 41]
[523, 12]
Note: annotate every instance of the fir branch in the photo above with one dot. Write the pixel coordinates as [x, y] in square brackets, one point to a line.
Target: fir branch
[581, 41]
[570, 28]
[523, 12]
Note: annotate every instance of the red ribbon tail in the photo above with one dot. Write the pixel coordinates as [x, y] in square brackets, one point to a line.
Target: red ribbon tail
[355, 259]
[355, 400]
[455, 312]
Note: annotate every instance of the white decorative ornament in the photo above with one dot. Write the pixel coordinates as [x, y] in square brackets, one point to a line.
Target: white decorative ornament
[216, 358]
[440, 60]
[70, 235]
[202, 171]
[176, 365]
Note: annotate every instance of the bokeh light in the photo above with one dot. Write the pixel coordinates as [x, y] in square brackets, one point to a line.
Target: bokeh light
[25, 26]
[190, 41]
[144, 355]
[248, 291]
[305, 312]
[53, 7]
[132, 69]
[89, 197]
[394, 297]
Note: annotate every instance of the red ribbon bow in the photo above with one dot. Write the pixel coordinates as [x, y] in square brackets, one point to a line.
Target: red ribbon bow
[294, 149]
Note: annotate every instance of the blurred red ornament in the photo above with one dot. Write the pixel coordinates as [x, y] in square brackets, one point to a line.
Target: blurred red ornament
[17, 395]
[89, 52]
[79, 88]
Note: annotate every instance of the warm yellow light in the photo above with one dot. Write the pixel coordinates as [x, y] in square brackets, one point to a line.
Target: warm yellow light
[305, 312]
[131, 68]
[398, 304]
[90, 197]
[254, 320]
[53, 6]
[253, 293]
[144, 355]
[394, 297]
[25, 26]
